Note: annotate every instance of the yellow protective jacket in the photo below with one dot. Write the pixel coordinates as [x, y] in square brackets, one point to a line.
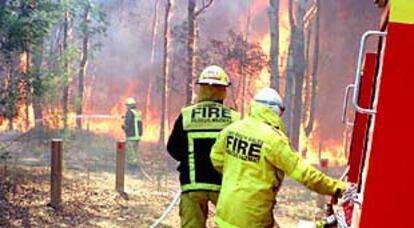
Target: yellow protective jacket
[190, 142]
[254, 155]
[133, 124]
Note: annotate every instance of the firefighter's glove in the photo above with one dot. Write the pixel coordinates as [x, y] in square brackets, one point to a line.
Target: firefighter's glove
[350, 194]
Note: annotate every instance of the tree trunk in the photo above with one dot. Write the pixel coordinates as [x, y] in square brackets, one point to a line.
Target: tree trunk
[311, 120]
[308, 75]
[243, 62]
[190, 51]
[274, 43]
[66, 71]
[299, 60]
[37, 100]
[152, 67]
[82, 67]
[8, 83]
[287, 117]
[29, 88]
[28, 73]
[163, 119]
[10, 124]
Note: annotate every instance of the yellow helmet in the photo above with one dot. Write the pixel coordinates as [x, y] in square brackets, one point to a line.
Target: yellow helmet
[214, 75]
[130, 101]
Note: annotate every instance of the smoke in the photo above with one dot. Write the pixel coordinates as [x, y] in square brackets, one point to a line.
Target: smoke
[124, 59]
[342, 24]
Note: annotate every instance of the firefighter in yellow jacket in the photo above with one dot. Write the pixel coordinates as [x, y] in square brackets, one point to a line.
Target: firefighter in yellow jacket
[254, 155]
[192, 137]
[133, 131]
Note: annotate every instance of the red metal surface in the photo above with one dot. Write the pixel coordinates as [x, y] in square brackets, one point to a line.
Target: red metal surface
[389, 195]
[359, 133]
[120, 146]
[323, 162]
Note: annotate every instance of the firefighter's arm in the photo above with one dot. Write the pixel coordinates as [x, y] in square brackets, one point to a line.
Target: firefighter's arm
[177, 143]
[140, 128]
[140, 123]
[290, 162]
[218, 152]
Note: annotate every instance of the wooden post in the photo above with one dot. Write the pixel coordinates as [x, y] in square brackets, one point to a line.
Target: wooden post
[323, 166]
[56, 173]
[120, 166]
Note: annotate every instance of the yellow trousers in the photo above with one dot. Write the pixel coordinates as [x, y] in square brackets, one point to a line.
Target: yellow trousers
[194, 208]
[132, 152]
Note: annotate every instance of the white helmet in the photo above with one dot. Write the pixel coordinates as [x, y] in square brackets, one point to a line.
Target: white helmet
[272, 99]
[130, 101]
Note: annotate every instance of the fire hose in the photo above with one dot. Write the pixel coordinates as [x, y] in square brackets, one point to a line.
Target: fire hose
[146, 175]
[167, 210]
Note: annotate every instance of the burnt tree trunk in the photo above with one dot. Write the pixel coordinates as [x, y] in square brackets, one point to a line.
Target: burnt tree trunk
[163, 120]
[65, 99]
[315, 65]
[8, 82]
[308, 74]
[299, 60]
[37, 99]
[191, 41]
[287, 117]
[190, 51]
[243, 63]
[274, 43]
[307, 83]
[82, 66]
[29, 88]
[28, 71]
[152, 67]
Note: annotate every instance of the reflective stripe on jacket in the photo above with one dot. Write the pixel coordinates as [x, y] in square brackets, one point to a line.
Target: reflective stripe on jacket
[133, 124]
[254, 155]
[192, 137]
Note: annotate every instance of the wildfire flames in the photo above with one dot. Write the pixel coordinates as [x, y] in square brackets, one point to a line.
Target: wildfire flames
[316, 148]
[111, 118]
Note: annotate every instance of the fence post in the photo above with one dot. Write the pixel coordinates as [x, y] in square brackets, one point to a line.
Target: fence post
[321, 199]
[56, 173]
[120, 166]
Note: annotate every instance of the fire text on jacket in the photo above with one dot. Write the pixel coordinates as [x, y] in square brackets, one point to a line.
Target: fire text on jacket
[210, 113]
[242, 147]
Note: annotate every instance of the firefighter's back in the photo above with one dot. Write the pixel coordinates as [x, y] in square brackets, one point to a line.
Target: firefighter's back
[250, 181]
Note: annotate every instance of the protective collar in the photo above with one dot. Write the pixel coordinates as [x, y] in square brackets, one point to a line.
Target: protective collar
[265, 114]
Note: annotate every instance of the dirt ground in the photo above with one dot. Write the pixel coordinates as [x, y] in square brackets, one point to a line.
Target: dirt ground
[92, 202]
[88, 195]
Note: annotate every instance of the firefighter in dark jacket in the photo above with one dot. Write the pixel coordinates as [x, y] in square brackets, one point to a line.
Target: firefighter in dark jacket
[190, 143]
[133, 131]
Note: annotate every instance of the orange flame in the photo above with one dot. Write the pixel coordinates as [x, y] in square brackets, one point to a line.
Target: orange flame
[23, 62]
[315, 148]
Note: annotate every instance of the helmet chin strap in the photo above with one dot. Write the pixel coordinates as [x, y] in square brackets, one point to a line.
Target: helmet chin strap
[276, 109]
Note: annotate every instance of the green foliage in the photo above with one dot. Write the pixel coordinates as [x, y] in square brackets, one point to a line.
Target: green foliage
[9, 98]
[95, 25]
[23, 26]
[36, 26]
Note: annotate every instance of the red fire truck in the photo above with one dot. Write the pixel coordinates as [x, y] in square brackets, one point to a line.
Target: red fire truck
[381, 151]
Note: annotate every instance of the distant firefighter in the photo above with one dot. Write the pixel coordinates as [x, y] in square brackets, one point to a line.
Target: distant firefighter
[194, 133]
[133, 131]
